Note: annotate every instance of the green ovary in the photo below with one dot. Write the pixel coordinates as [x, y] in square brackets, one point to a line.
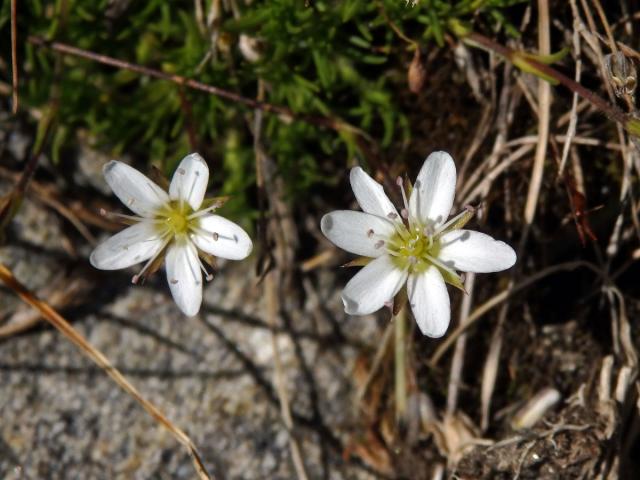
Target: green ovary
[175, 218]
[411, 249]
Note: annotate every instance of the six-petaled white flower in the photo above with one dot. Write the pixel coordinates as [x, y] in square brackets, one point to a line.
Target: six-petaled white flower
[419, 247]
[177, 226]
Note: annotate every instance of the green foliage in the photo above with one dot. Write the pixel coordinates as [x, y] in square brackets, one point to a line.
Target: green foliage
[333, 58]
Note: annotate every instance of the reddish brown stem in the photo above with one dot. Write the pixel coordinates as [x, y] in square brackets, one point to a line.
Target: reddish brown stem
[611, 111]
[326, 122]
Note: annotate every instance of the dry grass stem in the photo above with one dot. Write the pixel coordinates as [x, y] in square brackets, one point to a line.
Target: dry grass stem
[573, 113]
[457, 364]
[544, 107]
[492, 364]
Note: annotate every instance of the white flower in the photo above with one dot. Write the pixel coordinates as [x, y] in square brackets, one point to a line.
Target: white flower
[417, 248]
[176, 226]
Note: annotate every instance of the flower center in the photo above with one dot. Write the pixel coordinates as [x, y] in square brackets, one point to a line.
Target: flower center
[412, 248]
[175, 216]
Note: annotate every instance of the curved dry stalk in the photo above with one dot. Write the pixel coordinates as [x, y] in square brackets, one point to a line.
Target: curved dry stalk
[496, 300]
[55, 319]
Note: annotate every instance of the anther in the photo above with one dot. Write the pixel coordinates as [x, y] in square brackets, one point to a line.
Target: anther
[173, 281]
[370, 233]
[103, 212]
[392, 216]
[182, 171]
[215, 236]
[135, 279]
[405, 211]
[379, 244]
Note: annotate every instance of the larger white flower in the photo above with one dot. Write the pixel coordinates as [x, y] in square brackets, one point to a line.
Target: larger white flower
[419, 247]
[177, 226]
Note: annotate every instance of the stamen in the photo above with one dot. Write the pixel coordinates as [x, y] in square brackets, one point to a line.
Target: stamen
[215, 236]
[468, 210]
[370, 233]
[150, 262]
[190, 265]
[202, 212]
[405, 211]
[379, 244]
[439, 264]
[392, 216]
[208, 276]
[134, 218]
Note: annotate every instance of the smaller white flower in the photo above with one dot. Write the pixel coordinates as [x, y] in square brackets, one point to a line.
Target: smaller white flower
[178, 227]
[418, 248]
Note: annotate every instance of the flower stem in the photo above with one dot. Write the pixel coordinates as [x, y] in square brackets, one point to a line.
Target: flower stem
[400, 353]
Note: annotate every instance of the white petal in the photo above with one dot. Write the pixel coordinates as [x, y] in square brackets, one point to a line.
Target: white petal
[132, 245]
[357, 232]
[470, 251]
[134, 189]
[373, 286]
[432, 196]
[184, 277]
[429, 302]
[190, 180]
[370, 195]
[222, 238]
